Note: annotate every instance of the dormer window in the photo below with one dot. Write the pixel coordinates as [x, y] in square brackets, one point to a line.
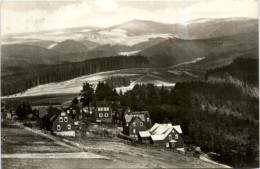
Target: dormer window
[176, 136]
[170, 136]
[148, 120]
[134, 124]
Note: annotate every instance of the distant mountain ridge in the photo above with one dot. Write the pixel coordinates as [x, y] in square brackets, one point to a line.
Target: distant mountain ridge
[216, 40]
[70, 46]
[174, 51]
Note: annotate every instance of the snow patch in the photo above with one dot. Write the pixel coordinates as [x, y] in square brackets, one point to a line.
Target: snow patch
[189, 62]
[129, 53]
[52, 45]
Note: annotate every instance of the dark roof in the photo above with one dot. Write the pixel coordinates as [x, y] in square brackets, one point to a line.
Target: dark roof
[142, 112]
[135, 117]
[74, 106]
[53, 113]
[124, 108]
[102, 103]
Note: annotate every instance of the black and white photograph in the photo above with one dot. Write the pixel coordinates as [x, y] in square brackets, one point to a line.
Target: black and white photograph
[129, 84]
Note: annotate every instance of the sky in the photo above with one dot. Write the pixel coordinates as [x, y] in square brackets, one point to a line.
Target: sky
[21, 17]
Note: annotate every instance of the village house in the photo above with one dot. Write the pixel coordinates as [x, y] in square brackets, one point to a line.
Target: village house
[8, 109]
[89, 110]
[59, 122]
[103, 112]
[43, 108]
[78, 116]
[163, 135]
[134, 123]
[120, 114]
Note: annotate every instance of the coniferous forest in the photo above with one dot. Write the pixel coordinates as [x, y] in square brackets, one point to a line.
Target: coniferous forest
[218, 116]
[32, 77]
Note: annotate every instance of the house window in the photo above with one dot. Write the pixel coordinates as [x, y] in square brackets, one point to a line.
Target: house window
[69, 126]
[148, 120]
[134, 124]
[172, 131]
[176, 136]
[74, 112]
[117, 115]
[128, 111]
[141, 123]
[101, 108]
[167, 145]
[61, 119]
[118, 121]
[133, 130]
[107, 108]
[106, 114]
[170, 137]
[173, 144]
[100, 114]
[65, 119]
[68, 111]
[58, 127]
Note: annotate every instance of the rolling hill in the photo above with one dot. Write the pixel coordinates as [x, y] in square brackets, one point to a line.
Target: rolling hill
[142, 27]
[70, 46]
[216, 51]
[209, 28]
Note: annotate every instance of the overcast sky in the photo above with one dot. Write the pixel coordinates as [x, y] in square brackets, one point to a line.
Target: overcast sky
[18, 17]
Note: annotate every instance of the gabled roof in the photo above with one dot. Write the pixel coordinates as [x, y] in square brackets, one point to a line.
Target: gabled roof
[128, 118]
[178, 128]
[161, 131]
[102, 104]
[142, 112]
[53, 113]
[144, 133]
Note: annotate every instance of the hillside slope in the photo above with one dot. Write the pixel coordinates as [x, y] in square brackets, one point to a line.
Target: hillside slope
[70, 46]
[215, 50]
[230, 97]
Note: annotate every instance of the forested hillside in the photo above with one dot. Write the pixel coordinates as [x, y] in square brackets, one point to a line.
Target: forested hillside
[213, 51]
[217, 116]
[56, 73]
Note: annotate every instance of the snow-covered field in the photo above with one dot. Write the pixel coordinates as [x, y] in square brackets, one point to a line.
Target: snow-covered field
[70, 86]
[137, 76]
[189, 62]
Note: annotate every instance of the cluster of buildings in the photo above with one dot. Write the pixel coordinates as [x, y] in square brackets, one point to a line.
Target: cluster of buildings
[136, 125]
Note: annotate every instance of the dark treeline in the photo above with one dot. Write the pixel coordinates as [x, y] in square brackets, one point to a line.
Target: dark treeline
[33, 77]
[226, 124]
[236, 70]
[218, 117]
[118, 81]
[102, 92]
